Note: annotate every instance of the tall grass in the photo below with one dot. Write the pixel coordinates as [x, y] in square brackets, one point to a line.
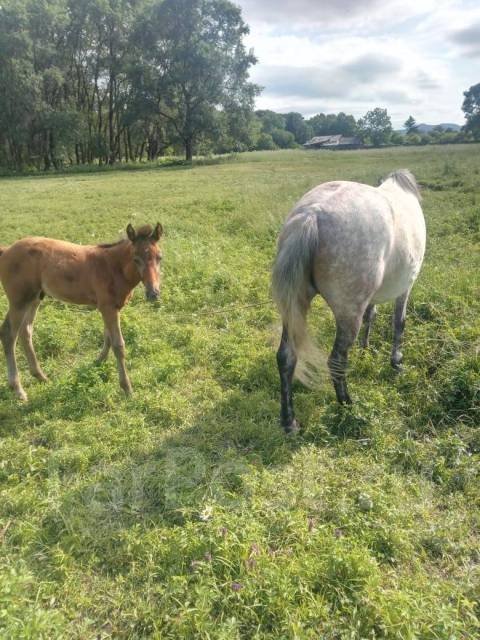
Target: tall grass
[185, 512]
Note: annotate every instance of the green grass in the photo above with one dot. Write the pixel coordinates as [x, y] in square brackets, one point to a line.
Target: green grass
[185, 512]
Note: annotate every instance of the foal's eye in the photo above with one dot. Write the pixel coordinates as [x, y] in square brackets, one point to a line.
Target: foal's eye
[138, 261]
[158, 259]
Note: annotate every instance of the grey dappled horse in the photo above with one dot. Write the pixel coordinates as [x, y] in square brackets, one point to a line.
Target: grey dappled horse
[356, 246]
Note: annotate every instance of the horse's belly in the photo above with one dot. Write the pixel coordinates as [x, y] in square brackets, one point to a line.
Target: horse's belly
[397, 282]
[68, 291]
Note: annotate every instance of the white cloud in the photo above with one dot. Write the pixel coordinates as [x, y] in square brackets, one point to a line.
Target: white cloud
[410, 57]
[343, 14]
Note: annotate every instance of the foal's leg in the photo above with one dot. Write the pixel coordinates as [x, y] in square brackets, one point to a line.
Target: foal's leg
[368, 319]
[103, 355]
[26, 332]
[8, 335]
[347, 331]
[112, 326]
[399, 314]
[286, 360]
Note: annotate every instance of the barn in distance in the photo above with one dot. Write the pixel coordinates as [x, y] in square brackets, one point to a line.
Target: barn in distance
[335, 142]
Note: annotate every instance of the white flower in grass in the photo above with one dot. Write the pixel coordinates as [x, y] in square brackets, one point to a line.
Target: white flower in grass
[207, 513]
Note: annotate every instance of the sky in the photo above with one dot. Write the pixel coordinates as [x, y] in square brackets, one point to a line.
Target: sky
[412, 57]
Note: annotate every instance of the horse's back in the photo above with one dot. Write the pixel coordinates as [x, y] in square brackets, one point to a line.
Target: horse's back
[56, 267]
[361, 246]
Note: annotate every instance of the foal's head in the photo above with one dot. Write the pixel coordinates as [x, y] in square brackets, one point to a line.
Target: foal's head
[147, 256]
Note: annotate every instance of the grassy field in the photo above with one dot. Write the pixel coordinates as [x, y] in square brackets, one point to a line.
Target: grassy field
[185, 512]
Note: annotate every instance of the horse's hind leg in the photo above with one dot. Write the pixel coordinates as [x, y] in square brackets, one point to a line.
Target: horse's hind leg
[8, 335]
[347, 331]
[26, 332]
[286, 360]
[399, 314]
[368, 319]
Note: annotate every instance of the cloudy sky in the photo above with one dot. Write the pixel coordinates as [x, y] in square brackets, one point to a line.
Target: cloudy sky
[409, 56]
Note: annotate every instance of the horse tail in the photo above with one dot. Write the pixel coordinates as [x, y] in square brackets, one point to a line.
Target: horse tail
[292, 290]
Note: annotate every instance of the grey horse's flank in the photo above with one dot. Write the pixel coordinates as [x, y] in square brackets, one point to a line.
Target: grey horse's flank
[356, 246]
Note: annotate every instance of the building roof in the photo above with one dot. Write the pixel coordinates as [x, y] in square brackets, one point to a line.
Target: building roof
[332, 141]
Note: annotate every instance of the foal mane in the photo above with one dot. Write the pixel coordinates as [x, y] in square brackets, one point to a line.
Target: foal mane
[406, 181]
[109, 245]
[143, 233]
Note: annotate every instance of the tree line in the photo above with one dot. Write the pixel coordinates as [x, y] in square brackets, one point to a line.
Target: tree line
[105, 81]
[374, 128]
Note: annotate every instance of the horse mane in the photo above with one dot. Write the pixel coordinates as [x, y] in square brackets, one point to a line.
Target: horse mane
[143, 233]
[109, 245]
[406, 181]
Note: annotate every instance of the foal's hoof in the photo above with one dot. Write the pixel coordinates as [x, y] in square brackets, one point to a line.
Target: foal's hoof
[40, 376]
[293, 427]
[21, 395]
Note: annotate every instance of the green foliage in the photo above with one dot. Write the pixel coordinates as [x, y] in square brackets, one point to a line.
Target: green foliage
[265, 141]
[270, 120]
[184, 511]
[283, 139]
[333, 124]
[297, 126]
[397, 138]
[87, 82]
[410, 125]
[376, 126]
[471, 108]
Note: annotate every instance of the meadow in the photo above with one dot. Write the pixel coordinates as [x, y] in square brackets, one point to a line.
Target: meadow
[185, 511]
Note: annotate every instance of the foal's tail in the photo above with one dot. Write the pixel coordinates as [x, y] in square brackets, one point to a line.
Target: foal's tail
[292, 290]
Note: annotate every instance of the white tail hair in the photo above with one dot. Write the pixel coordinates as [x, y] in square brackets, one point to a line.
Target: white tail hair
[291, 282]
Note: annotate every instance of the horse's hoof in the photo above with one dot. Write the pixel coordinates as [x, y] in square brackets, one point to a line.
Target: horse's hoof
[41, 377]
[21, 395]
[293, 427]
[396, 365]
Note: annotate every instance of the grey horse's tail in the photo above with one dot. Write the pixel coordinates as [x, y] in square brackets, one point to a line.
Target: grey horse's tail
[292, 287]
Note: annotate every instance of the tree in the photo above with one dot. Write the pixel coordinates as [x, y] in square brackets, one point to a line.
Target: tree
[397, 138]
[471, 109]
[333, 124]
[195, 56]
[413, 138]
[295, 124]
[376, 126]
[270, 120]
[410, 125]
[283, 139]
[265, 142]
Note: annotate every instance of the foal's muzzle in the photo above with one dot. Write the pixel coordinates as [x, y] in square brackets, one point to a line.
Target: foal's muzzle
[152, 294]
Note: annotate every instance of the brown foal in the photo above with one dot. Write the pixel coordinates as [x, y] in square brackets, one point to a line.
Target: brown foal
[101, 276]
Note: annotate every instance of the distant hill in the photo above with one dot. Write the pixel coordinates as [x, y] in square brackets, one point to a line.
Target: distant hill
[426, 128]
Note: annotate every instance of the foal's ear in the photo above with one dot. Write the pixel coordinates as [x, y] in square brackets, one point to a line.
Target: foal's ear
[131, 233]
[157, 232]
